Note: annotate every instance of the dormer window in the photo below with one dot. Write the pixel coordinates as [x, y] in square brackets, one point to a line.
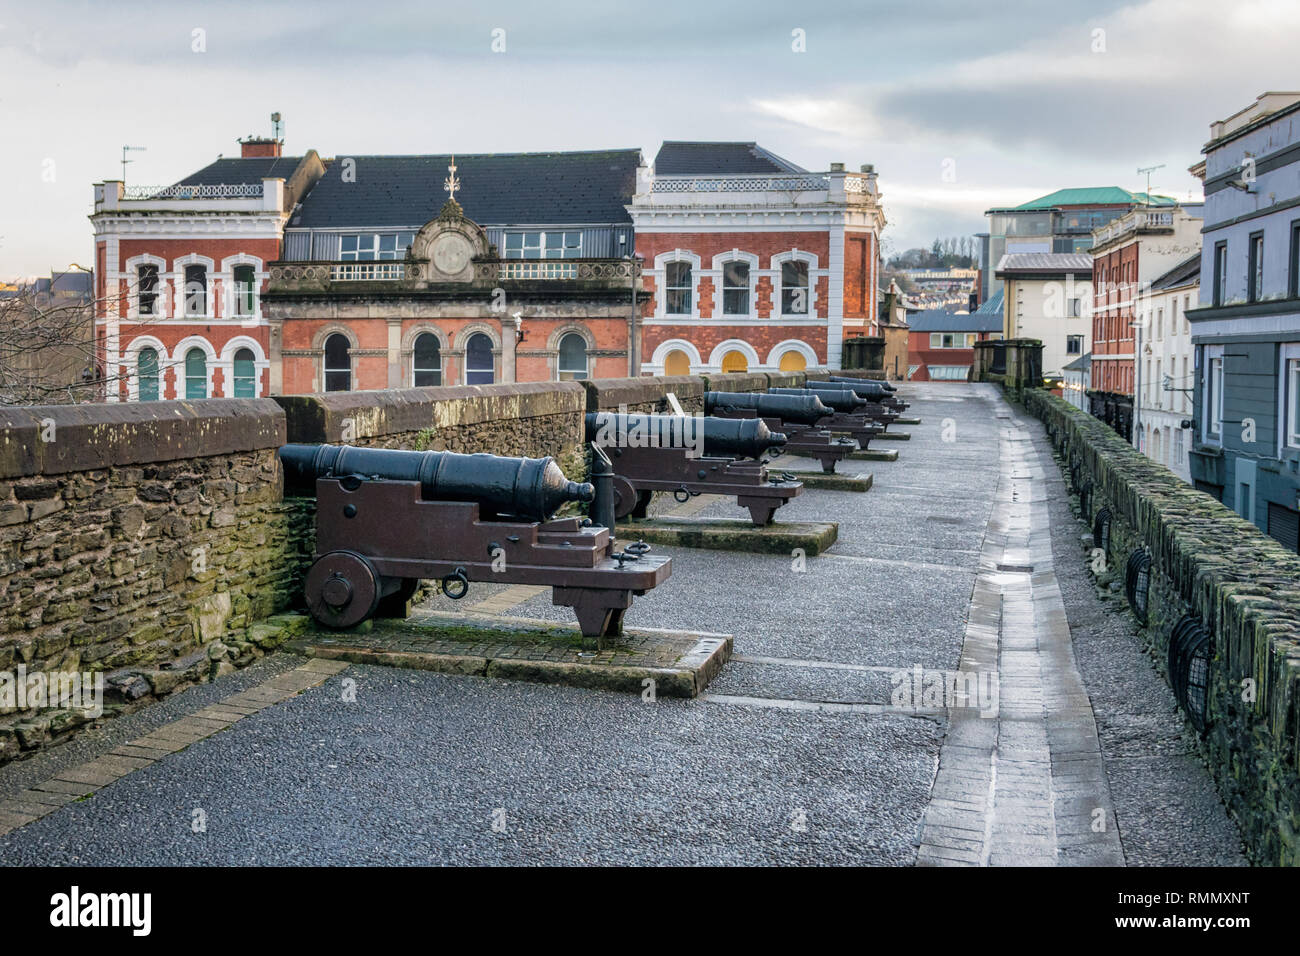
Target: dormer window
[554, 244]
[369, 247]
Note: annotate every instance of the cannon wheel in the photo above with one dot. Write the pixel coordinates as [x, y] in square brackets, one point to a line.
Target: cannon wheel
[625, 497]
[394, 604]
[342, 589]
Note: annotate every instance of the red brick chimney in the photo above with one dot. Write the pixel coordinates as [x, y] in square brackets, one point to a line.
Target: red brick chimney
[257, 146]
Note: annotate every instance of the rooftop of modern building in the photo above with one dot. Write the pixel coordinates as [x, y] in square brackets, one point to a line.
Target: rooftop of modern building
[685, 158]
[1043, 264]
[1088, 196]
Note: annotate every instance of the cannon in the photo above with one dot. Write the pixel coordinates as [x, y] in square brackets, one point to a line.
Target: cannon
[851, 413]
[803, 418]
[869, 389]
[880, 407]
[689, 456]
[387, 519]
[846, 380]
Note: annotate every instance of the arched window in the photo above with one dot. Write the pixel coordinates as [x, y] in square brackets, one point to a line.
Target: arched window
[735, 288]
[196, 373]
[245, 374]
[479, 369]
[427, 360]
[196, 290]
[735, 361]
[147, 374]
[793, 361]
[677, 362]
[338, 364]
[678, 287]
[245, 290]
[573, 357]
[794, 288]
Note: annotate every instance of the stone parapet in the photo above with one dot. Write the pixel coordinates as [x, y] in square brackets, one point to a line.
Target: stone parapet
[1240, 584]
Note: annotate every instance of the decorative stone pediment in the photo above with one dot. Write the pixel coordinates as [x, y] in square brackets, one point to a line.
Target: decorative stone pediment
[448, 245]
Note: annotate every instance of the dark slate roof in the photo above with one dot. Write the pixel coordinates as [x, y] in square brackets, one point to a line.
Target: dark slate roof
[1081, 363]
[678, 158]
[1187, 271]
[937, 320]
[495, 189]
[226, 172]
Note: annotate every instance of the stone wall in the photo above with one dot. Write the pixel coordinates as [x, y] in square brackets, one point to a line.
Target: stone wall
[1242, 585]
[141, 541]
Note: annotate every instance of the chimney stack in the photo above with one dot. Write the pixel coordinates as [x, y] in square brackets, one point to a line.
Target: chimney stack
[258, 146]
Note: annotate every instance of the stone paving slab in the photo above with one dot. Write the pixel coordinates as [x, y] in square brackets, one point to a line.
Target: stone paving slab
[721, 534]
[1029, 787]
[680, 663]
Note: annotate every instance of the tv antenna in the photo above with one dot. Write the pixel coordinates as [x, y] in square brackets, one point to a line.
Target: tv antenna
[129, 149]
[1149, 170]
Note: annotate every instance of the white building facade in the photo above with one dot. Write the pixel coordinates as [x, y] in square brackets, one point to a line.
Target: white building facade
[1166, 371]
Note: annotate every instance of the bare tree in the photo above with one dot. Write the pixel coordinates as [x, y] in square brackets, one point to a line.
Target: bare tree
[48, 351]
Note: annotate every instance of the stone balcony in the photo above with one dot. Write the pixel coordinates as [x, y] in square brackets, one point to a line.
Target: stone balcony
[1139, 221]
[565, 276]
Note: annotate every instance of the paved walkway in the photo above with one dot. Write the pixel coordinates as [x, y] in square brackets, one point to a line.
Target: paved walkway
[800, 752]
[1022, 782]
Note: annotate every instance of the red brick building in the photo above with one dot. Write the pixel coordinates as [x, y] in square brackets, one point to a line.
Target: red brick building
[941, 345]
[180, 273]
[752, 262]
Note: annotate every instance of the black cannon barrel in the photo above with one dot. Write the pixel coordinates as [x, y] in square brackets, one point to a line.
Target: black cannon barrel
[846, 380]
[868, 390]
[709, 436]
[845, 400]
[531, 488]
[795, 409]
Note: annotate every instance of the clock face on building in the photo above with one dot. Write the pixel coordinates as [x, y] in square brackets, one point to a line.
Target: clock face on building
[451, 253]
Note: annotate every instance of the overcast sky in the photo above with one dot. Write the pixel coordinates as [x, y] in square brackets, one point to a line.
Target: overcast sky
[1014, 97]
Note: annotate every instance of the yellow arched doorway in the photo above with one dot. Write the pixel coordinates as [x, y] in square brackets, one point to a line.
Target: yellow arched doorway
[735, 362]
[677, 362]
[793, 362]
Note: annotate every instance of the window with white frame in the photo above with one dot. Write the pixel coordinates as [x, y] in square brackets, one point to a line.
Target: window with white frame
[146, 290]
[949, 373]
[196, 290]
[245, 279]
[1074, 345]
[1291, 394]
[953, 340]
[1075, 308]
[1212, 409]
[794, 288]
[735, 288]
[678, 288]
[368, 246]
[553, 244]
